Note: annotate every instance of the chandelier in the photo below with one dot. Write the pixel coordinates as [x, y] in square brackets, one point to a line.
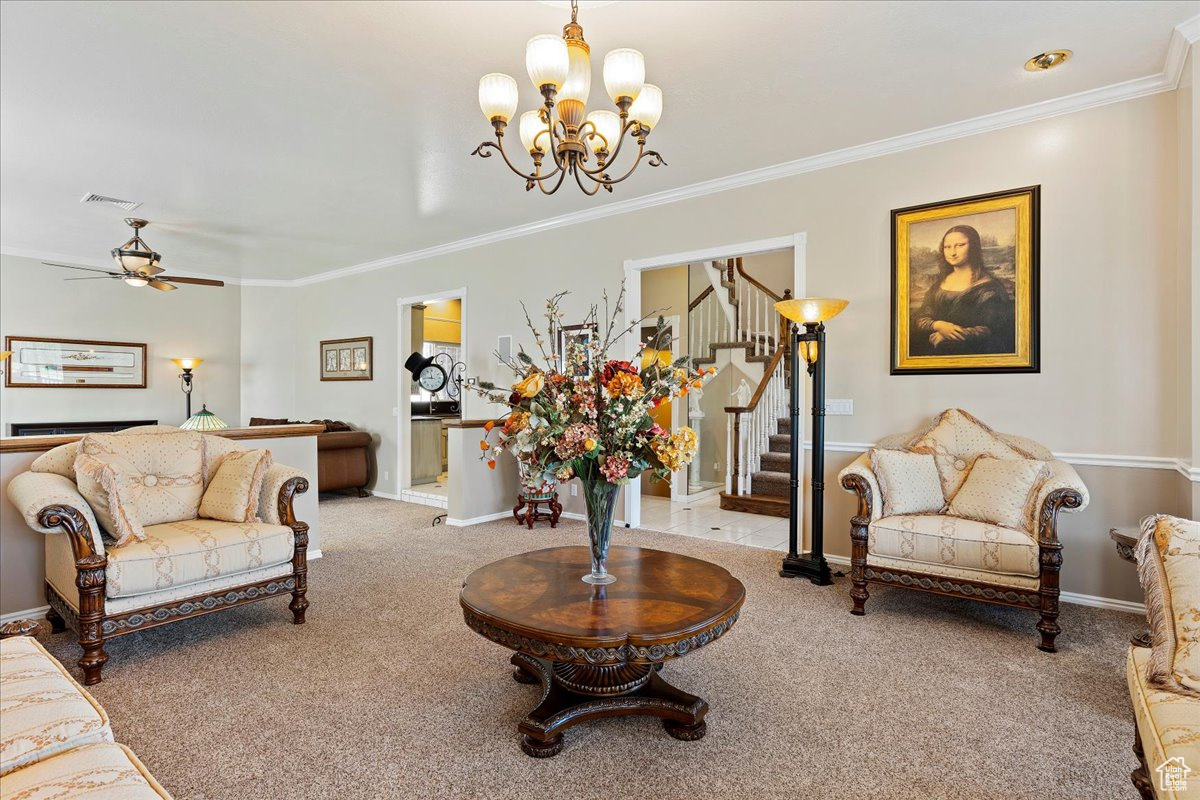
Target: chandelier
[561, 69]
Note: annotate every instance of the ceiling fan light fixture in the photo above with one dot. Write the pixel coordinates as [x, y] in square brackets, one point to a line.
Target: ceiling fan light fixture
[132, 281]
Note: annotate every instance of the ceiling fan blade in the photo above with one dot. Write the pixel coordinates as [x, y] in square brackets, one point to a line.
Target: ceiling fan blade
[196, 281]
[148, 271]
[86, 269]
[94, 278]
[162, 286]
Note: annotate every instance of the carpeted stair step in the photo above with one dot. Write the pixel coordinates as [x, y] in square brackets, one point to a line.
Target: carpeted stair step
[776, 462]
[784, 425]
[773, 484]
[780, 443]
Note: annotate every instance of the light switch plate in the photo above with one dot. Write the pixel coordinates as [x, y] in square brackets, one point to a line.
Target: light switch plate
[839, 408]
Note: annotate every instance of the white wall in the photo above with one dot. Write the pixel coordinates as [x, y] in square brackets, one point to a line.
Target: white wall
[191, 321]
[1108, 178]
[1110, 325]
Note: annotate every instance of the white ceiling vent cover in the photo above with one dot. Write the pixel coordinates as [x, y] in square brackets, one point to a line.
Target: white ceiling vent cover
[127, 205]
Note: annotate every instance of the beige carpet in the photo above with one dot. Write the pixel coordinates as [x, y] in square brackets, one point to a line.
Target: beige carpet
[386, 693]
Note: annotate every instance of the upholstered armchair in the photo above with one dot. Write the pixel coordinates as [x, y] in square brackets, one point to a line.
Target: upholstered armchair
[176, 565]
[999, 545]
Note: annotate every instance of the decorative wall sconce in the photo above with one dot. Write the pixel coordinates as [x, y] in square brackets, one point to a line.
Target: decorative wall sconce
[185, 379]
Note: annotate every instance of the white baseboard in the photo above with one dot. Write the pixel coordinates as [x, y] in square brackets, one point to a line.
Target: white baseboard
[384, 495]
[617, 523]
[313, 555]
[463, 523]
[1066, 597]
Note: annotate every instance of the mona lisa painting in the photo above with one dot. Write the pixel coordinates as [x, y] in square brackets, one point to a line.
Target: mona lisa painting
[965, 285]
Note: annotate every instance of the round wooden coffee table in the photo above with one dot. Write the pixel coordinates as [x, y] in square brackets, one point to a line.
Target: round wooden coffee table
[597, 650]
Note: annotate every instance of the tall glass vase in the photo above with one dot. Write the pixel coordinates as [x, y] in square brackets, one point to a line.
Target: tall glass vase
[601, 497]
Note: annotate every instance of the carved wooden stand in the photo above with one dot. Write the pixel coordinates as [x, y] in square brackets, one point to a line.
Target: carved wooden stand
[572, 694]
[526, 511]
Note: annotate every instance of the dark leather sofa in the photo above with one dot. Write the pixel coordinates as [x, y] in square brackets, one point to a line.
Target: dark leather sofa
[343, 454]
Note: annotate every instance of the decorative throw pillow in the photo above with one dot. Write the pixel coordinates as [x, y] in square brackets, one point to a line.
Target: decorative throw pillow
[136, 479]
[956, 440]
[1168, 557]
[1000, 491]
[908, 482]
[232, 494]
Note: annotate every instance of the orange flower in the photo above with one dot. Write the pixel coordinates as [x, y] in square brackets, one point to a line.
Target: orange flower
[483, 445]
[492, 464]
[683, 391]
[487, 426]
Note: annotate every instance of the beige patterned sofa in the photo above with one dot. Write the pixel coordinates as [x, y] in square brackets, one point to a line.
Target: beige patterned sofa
[963, 552]
[55, 739]
[117, 571]
[1164, 679]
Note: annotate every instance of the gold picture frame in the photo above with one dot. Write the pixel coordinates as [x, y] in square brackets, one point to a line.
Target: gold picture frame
[347, 359]
[965, 285]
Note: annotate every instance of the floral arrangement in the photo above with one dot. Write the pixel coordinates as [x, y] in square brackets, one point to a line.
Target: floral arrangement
[583, 414]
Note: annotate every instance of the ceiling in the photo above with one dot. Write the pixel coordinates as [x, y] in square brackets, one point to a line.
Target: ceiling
[278, 140]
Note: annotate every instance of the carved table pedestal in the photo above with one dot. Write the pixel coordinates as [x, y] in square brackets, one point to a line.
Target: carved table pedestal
[597, 651]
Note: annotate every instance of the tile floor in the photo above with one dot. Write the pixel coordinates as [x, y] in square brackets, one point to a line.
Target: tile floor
[706, 519]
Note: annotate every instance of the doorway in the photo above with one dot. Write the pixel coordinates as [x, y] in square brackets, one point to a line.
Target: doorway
[432, 347]
[719, 323]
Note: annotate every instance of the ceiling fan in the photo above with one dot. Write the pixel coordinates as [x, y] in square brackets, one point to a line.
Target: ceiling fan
[138, 263]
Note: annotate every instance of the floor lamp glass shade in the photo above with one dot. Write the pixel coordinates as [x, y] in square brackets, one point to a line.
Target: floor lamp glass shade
[204, 420]
[811, 309]
[187, 363]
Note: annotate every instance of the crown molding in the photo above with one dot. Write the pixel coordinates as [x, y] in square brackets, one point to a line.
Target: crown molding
[1182, 36]
[1069, 104]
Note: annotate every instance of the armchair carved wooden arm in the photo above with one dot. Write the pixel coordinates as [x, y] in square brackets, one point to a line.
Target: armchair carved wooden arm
[183, 570]
[969, 564]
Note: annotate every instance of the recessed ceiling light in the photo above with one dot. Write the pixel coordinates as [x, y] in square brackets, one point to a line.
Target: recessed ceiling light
[1047, 60]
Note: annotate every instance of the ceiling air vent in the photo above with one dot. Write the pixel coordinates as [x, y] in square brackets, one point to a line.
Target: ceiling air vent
[127, 205]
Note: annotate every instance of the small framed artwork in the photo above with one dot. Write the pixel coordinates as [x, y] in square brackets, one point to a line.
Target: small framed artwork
[74, 364]
[347, 359]
[965, 285]
[575, 349]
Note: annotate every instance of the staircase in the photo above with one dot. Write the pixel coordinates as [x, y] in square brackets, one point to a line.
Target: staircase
[734, 322]
[772, 480]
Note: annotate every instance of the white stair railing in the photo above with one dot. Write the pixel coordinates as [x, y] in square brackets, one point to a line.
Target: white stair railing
[707, 324]
[750, 427]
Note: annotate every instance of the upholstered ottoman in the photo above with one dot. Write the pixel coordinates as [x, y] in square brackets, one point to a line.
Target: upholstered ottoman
[55, 739]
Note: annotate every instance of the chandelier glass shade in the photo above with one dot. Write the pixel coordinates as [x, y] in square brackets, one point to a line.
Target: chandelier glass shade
[560, 137]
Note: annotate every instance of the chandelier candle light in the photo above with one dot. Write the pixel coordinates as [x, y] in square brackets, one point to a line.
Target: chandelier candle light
[561, 70]
[813, 313]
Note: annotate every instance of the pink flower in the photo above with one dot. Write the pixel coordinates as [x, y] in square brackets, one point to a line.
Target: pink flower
[615, 468]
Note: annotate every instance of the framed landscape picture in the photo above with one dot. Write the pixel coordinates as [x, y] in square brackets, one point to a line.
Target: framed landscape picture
[74, 364]
[347, 359]
[965, 285]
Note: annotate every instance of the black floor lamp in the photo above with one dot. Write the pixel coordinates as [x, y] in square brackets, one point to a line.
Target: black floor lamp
[185, 380]
[813, 313]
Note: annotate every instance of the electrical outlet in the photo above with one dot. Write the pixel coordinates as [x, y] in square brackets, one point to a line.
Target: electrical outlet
[574, 490]
[385, 476]
[839, 408]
